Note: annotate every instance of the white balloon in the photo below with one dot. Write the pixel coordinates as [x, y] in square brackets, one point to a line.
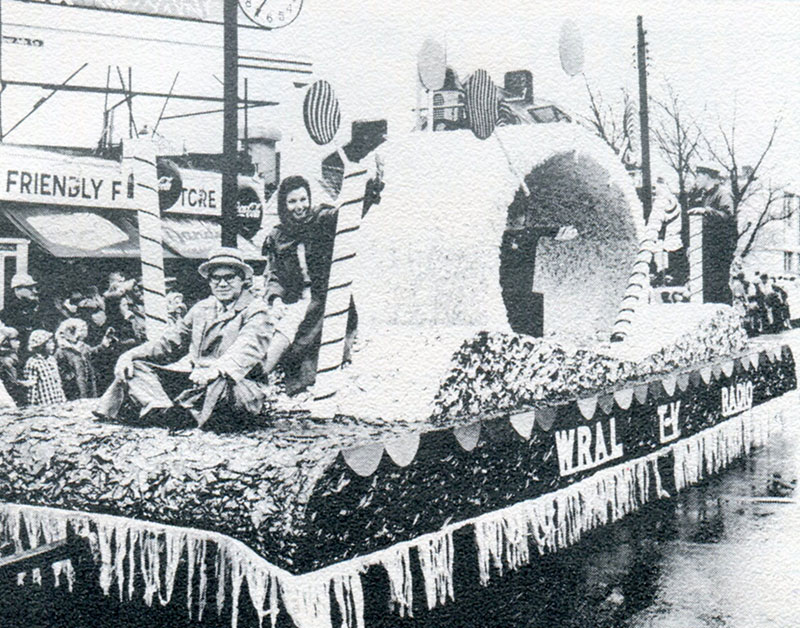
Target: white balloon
[570, 48]
[431, 65]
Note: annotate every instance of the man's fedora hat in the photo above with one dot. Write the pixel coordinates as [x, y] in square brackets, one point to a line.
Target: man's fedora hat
[22, 280]
[225, 256]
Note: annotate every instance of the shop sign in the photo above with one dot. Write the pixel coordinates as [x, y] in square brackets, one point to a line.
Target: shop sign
[29, 177]
[188, 9]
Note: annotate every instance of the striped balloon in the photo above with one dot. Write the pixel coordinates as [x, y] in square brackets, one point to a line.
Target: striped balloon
[321, 112]
[482, 104]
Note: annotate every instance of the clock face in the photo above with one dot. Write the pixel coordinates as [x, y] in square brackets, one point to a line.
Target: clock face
[271, 13]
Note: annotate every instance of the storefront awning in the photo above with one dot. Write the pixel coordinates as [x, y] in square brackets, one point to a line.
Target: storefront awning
[77, 232]
[97, 234]
[195, 237]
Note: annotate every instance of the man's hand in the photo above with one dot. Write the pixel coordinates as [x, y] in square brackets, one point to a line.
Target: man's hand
[566, 233]
[124, 367]
[202, 376]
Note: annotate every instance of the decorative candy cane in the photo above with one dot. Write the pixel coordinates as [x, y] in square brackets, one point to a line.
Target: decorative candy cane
[139, 162]
[695, 255]
[639, 282]
[322, 118]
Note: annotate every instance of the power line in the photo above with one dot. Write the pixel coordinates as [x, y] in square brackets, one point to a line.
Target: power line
[273, 69]
[43, 100]
[120, 91]
[192, 114]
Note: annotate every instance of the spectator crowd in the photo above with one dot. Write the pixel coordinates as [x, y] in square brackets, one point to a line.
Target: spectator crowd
[762, 303]
[64, 348]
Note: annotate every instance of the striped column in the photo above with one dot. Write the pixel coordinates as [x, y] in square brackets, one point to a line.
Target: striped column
[696, 258]
[638, 287]
[337, 302]
[139, 166]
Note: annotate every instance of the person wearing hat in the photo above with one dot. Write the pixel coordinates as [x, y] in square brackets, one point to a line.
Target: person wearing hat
[710, 198]
[24, 311]
[197, 371]
[709, 194]
[41, 370]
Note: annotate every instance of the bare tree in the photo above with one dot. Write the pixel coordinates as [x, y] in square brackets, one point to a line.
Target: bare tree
[606, 120]
[763, 214]
[678, 138]
[744, 182]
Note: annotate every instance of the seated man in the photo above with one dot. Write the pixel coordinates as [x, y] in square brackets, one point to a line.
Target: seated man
[218, 342]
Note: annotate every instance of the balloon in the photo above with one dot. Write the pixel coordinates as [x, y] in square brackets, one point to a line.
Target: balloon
[321, 112]
[431, 65]
[570, 48]
[482, 104]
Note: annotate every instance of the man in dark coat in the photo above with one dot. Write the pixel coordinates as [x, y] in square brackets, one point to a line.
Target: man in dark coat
[25, 312]
[712, 200]
[198, 369]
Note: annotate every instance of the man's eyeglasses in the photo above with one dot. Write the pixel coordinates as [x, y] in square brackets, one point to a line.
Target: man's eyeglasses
[218, 279]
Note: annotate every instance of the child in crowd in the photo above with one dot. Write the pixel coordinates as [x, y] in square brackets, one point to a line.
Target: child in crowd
[176, 307]
[73, 357]
[41, 370]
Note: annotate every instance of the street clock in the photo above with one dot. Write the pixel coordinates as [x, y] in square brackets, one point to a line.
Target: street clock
[271, 13]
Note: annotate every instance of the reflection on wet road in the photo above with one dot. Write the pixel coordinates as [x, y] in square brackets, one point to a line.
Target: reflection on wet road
[735, 558]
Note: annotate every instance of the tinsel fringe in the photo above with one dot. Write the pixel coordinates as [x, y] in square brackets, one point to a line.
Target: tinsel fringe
[125, 547]
[703, 454]
[559, 519]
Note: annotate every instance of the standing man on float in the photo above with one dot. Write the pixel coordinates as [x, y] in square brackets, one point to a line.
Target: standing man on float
[198, 368]
[711, 199]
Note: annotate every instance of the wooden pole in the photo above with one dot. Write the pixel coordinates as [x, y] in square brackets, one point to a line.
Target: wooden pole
[2, 85]
[230, 140]
[641, 48]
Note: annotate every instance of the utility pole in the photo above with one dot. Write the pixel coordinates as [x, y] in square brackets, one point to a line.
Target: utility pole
[641, 49]
[230, 129]
[2, 85]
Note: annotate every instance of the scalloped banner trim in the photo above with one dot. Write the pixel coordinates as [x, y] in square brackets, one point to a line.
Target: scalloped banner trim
[606, 403]
[468, 435]
[364, 460]
[587, 407]
[624, 398]
[403, 450]
[523, 423]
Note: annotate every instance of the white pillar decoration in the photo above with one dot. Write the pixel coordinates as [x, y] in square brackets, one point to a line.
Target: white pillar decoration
[139, 166]
[22, 256]
[340, 283]
[695, 258]
[2, 281]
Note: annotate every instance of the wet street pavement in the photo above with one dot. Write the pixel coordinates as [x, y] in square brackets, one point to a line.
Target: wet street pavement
[734, 560]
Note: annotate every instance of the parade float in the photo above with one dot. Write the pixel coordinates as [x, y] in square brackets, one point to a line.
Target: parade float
[451, 443]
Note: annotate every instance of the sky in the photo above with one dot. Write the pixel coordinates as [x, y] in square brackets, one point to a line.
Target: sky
[720, 57]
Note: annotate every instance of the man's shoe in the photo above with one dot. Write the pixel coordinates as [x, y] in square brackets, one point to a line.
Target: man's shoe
[105, 418]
